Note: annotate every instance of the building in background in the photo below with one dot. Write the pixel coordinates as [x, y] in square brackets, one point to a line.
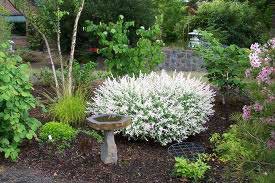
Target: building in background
[19, 22]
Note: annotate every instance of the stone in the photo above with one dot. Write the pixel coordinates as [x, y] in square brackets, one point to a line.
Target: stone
[181, 60]
[109, 148]
[108, 123]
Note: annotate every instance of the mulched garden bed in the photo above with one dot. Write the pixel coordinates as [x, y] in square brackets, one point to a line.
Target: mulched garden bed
[139, 161]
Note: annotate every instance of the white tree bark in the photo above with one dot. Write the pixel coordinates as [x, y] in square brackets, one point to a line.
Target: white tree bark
[71, 60]
[27, 15]
[60, 55]
[52, 64]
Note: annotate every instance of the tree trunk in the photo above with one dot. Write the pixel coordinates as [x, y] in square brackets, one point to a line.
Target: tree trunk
[52, 64]
[73, 47]
[47, 45]
[60, 55]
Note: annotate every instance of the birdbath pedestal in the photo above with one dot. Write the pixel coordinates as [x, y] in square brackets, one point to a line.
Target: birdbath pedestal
[108, 123]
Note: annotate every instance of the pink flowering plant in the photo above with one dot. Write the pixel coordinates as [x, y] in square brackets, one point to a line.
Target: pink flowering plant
[250, 142]
[262, 86]
[260, 77]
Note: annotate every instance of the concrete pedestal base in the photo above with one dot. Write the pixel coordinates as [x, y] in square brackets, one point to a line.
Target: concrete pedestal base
[109, 149]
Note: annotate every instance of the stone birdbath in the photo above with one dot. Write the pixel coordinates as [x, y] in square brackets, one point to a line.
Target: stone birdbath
[108, 123]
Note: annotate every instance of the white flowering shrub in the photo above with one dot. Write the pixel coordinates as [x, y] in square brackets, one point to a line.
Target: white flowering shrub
[164, 108]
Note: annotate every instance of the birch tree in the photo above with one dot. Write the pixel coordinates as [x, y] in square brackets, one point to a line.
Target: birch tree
[45, 16]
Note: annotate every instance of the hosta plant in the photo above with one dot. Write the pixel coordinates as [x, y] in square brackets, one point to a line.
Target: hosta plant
[15, 102]
[163, 107]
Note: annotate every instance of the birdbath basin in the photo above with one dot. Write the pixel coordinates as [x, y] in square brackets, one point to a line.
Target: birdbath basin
[108, 123]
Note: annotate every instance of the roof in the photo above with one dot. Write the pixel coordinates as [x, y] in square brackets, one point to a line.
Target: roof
[7, 5]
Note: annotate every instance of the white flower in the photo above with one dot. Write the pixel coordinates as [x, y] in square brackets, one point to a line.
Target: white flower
[163, 107]
[50, 137]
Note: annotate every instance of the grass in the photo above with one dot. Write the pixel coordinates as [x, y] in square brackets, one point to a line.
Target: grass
[70, 109]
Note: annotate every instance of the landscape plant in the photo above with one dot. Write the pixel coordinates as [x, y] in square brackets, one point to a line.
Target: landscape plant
[122, 57]
[224, 64]
[45, 16]
[248, 146]
[15, 102]
[83, 75]
[5, 27]
[70, 109]
[162, 107]
[230, 21]
[171, 12]
[193, 170]
[57, 132]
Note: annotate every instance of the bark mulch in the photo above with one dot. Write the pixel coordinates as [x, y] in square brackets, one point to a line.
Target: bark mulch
[139, 161]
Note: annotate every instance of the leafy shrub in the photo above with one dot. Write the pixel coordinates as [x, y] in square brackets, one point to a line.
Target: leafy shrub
[164, 108]
[5, 27]
[172, 12]
[140, 11]
[70, 109]
[82, 74]
[45, 76]
[248, 146]
[243, 147]
[230, 21]
[193, 170]
[59, 132]
[15, 102]
[232, 145]
[225, 65]
[123, 58]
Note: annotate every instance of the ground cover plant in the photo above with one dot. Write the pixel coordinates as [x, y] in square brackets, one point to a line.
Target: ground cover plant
[15, 102]
[164, 108]
[83, 75]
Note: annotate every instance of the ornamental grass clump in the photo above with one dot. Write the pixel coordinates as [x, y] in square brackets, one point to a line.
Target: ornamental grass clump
[163, 107]
[70, 109]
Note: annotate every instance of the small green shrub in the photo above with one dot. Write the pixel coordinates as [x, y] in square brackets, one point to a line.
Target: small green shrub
[192, 170]
[225, 65]
[70, 109]
[59, 132]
